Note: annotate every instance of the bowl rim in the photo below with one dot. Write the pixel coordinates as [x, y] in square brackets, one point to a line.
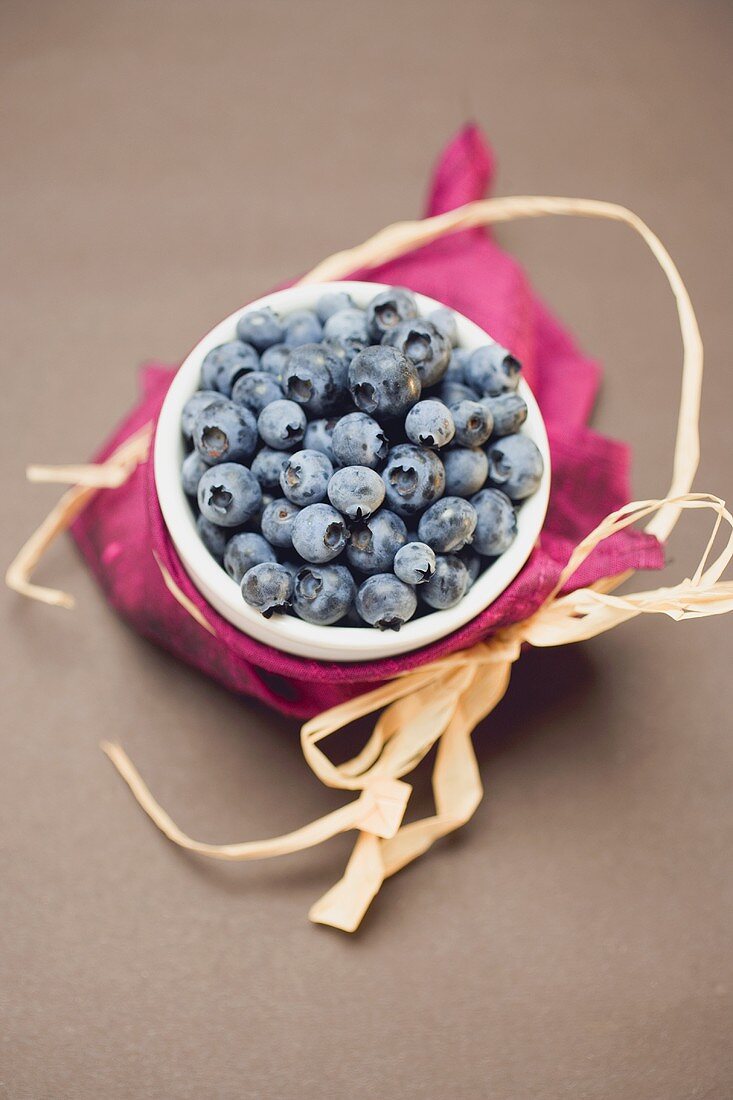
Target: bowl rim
[286, 632]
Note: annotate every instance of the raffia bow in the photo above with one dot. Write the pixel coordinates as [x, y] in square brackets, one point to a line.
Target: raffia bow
[441, 702]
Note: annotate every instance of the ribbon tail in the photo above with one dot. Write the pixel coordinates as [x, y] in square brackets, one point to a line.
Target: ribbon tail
[346, 903]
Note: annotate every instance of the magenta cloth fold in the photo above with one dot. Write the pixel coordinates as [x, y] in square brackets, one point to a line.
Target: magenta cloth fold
[121, 529]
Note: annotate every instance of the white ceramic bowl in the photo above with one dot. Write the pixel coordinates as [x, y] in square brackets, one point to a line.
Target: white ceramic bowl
[285, 632]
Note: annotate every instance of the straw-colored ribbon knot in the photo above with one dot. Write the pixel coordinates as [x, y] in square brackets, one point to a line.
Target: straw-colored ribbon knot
[440, 703]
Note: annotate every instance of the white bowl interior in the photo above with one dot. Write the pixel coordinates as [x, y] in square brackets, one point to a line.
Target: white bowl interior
[285, 632]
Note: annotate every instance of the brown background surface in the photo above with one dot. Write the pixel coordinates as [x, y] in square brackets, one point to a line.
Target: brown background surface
[163, 162]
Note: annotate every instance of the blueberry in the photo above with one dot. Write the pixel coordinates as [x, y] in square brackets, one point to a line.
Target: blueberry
[492, 370]
[318, 435]
[383, 380]
[515, 466]
[305, 477]
[444, 320]
[430, 424]
[268, 588]
[414, 563]
[302, 327]
[358, 440]
[473, 423]
[413, 479]
[452, 393]
[426, 348]
[347, 328]
[245, 550]
[448, 525]
[267, 465]
[456, 371]
[192, 470]
[223, 365]
[375, 542]
[472, 562]
[387, 309]
[385, 601]
[509, 411]
[319, 533]
[466, 469]
[213, 536]
[267, 498]
[496, 525]
[333, 301]
[202, 399]
[356, 491]
[448, 584]
[311, 377]
[282, 425]
[277, 522]
[229, 494]
[323, 594]
[261, 328]
[225, 432]
[255, 390]
[274, 359]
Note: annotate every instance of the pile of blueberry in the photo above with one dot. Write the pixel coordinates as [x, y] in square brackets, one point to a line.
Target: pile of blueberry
[355, 466]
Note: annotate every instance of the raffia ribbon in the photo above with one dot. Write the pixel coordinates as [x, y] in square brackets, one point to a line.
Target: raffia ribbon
[442, 702]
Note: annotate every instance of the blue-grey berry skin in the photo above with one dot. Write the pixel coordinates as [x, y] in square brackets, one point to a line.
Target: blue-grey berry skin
[509, 411]
[333, 301]
[255, 390]
[348, 327]
[456, 372]
[225, 432]
[192, 470]
[452, 393]
[305, 476]
[319, 533]
[448, 525]
[358, 440]
[444, 320]
[302, 327]
[383, 381]
[515, 466]
[473, 423]
[268, 588]
[472, 562]
[281, 425]
[448, 584]
[375, 542]
[492, 370]
[356, 491]
[318, 436]
[261, 328]
[414, 563]
[267, 466]
[387, 309]
[413, 478]
[385, 601]
[213, 536]
[466, 470]
[426, 348]
[229, 494]
[223, 365]
[277, 522]
[430, 424]
[256, 521]
[202, 399]
[244, 551]
[323, 594]
[311, 377]
[274, 359]
[496, 523]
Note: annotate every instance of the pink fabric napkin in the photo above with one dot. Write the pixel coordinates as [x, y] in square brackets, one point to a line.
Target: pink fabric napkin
[120, 529]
